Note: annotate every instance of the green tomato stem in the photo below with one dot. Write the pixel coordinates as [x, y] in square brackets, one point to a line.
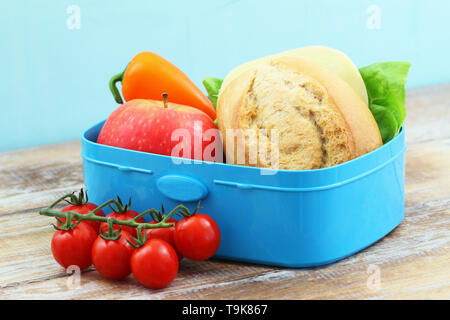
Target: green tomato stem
[70, 215]
[90, 217]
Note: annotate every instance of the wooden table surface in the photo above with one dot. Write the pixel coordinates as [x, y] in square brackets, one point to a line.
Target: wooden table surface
[412, 262]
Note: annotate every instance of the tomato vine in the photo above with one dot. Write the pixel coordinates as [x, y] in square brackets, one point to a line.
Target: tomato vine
[71, 215]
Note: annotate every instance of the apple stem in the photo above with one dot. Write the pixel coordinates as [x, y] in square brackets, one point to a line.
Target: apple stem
[165, 99]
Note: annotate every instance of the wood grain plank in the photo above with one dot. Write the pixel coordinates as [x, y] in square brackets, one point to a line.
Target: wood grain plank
[32, 178]
[34, 200]
[65, 151]
[427, 113]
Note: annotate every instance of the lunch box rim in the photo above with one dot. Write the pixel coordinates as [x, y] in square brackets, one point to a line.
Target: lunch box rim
[251, 168]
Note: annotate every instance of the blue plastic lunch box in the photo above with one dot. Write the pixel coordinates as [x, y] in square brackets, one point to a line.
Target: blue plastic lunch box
[283, 218]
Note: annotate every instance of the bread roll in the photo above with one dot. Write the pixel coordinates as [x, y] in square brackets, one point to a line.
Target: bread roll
[332, 59]
[303, 113]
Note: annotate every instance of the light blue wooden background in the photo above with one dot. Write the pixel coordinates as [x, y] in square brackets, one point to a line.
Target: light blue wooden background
[54, 79]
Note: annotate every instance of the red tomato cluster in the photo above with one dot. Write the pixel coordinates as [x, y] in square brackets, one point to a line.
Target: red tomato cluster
[155, 264]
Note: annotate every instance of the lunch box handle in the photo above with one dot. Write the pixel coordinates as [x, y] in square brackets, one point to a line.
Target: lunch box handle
[181, 188]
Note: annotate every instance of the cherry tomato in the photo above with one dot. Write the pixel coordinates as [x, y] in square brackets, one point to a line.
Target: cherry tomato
[165, 234]
[84, 209]
[73, 247]
[197, 237]
[155, 264]
[127, 215]
[111, 258]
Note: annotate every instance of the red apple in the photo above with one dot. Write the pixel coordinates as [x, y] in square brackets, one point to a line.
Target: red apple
[163, 128]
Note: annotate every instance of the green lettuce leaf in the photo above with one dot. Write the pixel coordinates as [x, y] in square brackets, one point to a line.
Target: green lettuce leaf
[385, 84]
[212, 86]
[386, 122]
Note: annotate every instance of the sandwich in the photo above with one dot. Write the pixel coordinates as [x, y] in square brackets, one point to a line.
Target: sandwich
[310, 107]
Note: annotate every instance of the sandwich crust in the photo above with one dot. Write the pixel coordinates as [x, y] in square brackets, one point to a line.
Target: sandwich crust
[294, 115]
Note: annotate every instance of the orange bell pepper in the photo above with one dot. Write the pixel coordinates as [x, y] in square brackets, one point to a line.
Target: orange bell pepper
[149, 75]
